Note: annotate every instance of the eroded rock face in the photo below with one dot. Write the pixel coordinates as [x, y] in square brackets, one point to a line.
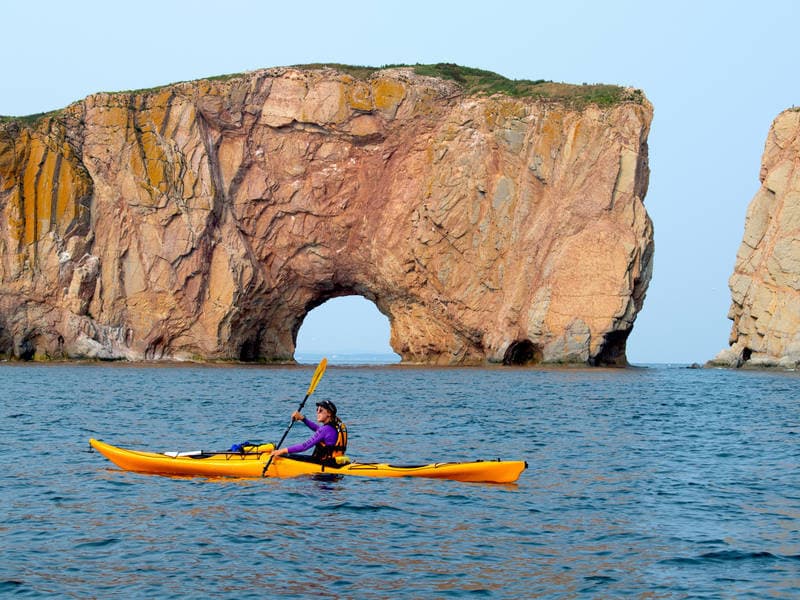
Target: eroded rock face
[205, 220]
[765, 285]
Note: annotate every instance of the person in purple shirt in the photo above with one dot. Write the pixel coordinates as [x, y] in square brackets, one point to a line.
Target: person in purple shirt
[330, 435]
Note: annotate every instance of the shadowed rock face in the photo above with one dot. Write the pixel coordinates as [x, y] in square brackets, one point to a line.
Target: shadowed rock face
[765, 285]
[207, 219]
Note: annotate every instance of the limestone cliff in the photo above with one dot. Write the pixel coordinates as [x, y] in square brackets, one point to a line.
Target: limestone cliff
[206, 219]
[765, 285]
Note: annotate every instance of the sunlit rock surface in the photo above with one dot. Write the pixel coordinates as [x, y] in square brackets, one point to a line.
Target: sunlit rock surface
[204, 220]
[765, 285]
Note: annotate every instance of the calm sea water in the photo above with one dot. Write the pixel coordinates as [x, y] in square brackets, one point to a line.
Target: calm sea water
[655, 482]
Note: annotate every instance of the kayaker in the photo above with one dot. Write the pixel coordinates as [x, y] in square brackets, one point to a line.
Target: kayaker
[330, 435]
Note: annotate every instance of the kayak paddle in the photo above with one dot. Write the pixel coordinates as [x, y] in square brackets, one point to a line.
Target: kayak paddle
[314, 381]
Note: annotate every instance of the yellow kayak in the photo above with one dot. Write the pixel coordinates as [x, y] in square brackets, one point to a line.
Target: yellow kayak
[251, 464]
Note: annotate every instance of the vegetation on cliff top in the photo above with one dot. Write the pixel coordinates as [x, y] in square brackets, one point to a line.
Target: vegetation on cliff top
[28, 119]
[480, 82]
[472, 81]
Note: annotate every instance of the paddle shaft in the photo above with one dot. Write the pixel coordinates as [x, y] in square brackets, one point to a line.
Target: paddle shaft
[285, 433]
[314, 381]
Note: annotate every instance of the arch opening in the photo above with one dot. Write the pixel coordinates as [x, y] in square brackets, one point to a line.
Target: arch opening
[521, 353]
[347, 330]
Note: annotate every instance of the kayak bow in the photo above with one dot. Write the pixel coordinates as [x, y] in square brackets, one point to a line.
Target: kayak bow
[251, 464]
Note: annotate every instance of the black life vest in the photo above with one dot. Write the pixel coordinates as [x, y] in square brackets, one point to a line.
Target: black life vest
[324, 453]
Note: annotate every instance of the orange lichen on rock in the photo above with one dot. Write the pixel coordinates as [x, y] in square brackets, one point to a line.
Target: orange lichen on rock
[388, 94]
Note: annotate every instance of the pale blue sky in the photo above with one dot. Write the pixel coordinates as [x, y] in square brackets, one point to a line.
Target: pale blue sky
[717, 73]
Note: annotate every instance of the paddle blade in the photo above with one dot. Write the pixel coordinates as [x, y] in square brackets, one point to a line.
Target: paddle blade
[317, 376]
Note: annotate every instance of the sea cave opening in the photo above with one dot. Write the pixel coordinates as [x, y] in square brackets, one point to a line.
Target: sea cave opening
[345, 330]
[747, 354]
[521, 353]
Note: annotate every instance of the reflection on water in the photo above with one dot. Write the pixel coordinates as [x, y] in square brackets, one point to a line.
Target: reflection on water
[644, 482]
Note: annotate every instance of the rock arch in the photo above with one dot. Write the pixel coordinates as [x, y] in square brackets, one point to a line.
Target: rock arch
[224, 211]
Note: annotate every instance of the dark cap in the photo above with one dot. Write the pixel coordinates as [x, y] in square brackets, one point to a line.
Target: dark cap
[329, 406]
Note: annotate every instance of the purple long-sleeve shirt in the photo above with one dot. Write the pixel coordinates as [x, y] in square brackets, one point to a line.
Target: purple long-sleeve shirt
[322, 433]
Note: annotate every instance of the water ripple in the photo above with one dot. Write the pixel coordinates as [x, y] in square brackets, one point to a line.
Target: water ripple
[733, 556]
